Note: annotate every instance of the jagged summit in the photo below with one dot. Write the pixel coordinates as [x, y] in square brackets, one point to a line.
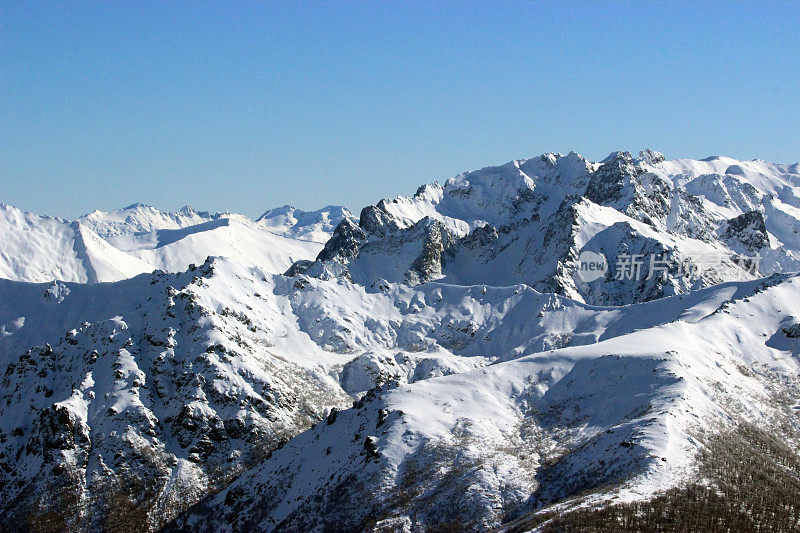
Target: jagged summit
[137, 205]
[529, 220]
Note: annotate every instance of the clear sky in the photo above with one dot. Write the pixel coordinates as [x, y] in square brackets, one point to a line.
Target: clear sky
[244, 106]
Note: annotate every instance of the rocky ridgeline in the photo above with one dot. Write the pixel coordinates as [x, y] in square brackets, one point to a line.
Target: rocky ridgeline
[528, 221]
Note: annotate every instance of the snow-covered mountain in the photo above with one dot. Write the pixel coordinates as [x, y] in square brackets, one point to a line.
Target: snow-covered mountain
[39, 248]
[315, 226]
[158, 388]
[441, 363]
[116, 245]
[615, 419]
[141, 218]
[529, 220]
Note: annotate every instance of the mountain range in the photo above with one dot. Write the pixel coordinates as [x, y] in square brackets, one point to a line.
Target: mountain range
[440, 362]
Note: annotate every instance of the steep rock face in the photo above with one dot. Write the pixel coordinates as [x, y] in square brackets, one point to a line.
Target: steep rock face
[689, 217]
[632, 190]
[623, 243]
[374, 220]
[429, 265]
[559, 245]
[747, 232]
[345, 242]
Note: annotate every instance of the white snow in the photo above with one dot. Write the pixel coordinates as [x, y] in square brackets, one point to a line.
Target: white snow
[101, 247]
[493, 389]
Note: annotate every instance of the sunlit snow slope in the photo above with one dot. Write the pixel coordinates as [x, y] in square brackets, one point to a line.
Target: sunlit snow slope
[120, 244]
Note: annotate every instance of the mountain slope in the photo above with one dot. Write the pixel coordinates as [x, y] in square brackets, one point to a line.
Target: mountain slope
[478, 449]
[37, 249]
[187, 379]
[114, 226]
[159, 389]
[232, 236]
[101, 247]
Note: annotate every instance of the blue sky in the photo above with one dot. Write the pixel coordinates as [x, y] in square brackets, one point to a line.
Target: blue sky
[244, 106]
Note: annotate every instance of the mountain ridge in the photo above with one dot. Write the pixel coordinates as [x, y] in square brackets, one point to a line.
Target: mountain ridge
[111, 246]
[438, 361]
[657, 206]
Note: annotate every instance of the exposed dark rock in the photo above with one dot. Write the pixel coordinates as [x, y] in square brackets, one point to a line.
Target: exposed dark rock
[428, 265]
[299, 267]
[374, 220]
[345, 243]
[747, 230]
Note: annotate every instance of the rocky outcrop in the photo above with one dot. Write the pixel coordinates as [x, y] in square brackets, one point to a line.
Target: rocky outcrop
[622, 184]
[430, 263]
[747, 232]
[374, 220]
[345, 243]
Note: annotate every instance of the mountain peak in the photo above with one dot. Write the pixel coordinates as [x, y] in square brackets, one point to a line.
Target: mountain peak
[136, 206]
[651, 157]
